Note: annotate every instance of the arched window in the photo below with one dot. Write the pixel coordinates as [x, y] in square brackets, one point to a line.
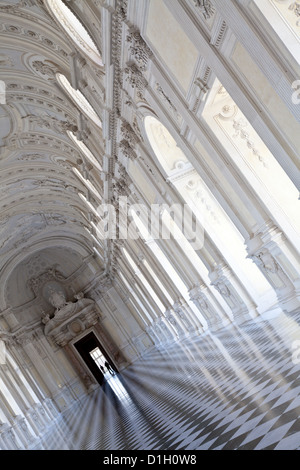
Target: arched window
[75, 29]
[164, 145]
[216, 222]
[254, 160]
[135, 297]
[164, 263]
[283, 17]
[86, 152]
[87, 183]
[79, 99]
[143, 280]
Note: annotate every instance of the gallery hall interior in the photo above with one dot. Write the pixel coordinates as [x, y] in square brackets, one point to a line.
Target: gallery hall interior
[149, 225]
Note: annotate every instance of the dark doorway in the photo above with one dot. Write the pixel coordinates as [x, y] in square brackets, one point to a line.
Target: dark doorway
[90, 344]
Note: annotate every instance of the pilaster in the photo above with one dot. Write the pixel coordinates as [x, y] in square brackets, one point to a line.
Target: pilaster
[279, 262]
[234, 294]
[199, 294]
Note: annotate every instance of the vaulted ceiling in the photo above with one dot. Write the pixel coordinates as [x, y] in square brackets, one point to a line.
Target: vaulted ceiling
[42, 216]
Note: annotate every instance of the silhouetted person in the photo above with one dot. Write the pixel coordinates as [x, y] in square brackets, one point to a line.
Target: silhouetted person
[109, 368]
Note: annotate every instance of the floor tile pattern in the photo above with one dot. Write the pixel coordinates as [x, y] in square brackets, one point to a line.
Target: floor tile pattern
[238, 388]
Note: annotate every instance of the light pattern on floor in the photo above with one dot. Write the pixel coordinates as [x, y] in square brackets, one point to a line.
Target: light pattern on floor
[234, 389]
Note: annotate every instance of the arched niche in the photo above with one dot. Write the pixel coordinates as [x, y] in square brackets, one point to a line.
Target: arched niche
[52, 249]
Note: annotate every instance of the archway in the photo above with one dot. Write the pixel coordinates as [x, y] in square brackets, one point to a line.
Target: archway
[217, 225]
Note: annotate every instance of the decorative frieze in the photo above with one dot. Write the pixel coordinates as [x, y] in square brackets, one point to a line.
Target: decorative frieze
[52, 123]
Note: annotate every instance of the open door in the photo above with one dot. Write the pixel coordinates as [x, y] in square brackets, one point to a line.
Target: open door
[94, 356]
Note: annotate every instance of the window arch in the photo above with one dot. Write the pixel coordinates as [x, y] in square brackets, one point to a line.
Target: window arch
[79, 99]
[86, 152]
[250, 154]
[143, 280]
[87, 183]
[164, 145]
[165, 264]
[216, 222]
[75, 30]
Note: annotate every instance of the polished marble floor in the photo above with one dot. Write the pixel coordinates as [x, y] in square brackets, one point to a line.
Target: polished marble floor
[238, 388]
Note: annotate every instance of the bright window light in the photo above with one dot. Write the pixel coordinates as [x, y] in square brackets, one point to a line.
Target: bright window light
[89, 204]
[87, 153]
[144, 281]
[79, 99]
[87, 183]
[75, 30]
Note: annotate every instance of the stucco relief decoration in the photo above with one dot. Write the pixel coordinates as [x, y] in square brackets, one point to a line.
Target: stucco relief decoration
[50, 122]
[46, 68]
[14, 8]
[135, 77]
[167, 100]
[69, 317]
[240, 131]
[52, 274]
[295, 7]
[286, 8]
[128, 133]
[63, 309]
[230, 112]
[201, 196]
[266, 261]
[57, 299]
[27, 157]
[6, 61]
[206, 8]
[127, 150]
[139, 49]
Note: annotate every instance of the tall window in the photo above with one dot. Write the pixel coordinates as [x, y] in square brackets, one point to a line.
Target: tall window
[79, 99]
[98, 358]
[86, 152]
[75, 29]
[196, 194]
[254, 160]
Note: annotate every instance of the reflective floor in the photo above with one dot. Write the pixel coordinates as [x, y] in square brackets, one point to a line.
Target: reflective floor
[238, 388]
